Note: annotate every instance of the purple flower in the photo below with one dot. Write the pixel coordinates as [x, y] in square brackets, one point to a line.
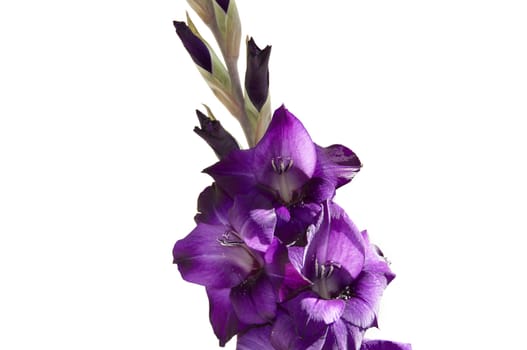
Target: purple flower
[195, 46]
[347, 280]
[293, 172]
[233, 253]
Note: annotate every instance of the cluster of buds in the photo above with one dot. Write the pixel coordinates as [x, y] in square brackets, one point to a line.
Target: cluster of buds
[284, 266]
[251, 107]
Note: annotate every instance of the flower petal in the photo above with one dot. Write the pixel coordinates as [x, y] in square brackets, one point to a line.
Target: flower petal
[284, 276]
[294, 229]
[290, 333]
[319, 309]
[285, 157]
[253, 218]
[254, 301]
[361, 308]
[256, 338]
[213, 206]
[342, 335]
[375, 260]
[222, 316]
[384, 345]
[235, 173]
[337, 242]
[337, 164]
[202, 258]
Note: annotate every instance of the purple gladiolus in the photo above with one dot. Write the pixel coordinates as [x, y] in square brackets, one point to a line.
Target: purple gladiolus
[347, 280]
[293, 172]
[283, 265]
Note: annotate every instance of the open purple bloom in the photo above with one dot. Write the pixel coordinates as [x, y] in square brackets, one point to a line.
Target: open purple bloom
[348, 279]
[296, 174]
[233, 252]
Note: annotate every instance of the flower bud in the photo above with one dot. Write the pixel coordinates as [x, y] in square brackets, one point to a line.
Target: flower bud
[204, 10]
[229, 28]
[257, 74]
[215, 135]
[195, 46]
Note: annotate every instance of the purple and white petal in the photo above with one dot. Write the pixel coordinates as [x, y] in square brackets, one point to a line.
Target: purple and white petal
[337, 244]
[213, 257]
[365, 296]
[343, 336]
[255, 338]
[253, 218]
[285, 158]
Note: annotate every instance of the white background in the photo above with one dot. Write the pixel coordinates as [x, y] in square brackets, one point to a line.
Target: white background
[100, 169]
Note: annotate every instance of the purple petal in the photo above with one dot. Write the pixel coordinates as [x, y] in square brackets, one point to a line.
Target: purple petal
[290, 333]
[384, 345]
[337, 164]
[284, 276]
[343, 336]
[208, 256]
[337, 243]
[213, 206]
[222, 316]
[254, 220]
[375, 261]
[293, 230]
[318, 309]
[256, 338]
[362, 306]
[254, 301]
[285, 157]
[235, 173]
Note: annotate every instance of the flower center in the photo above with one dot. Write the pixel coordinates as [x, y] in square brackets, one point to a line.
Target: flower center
[326, 282]
[230, 239]
[281, 164]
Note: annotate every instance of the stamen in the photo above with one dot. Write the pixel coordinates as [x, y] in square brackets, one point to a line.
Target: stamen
[281, 164]
[230, 239]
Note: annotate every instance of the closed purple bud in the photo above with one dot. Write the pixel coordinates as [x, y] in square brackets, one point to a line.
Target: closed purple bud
[257, 74]
[224, 4]
[196, 48]
[215, 135]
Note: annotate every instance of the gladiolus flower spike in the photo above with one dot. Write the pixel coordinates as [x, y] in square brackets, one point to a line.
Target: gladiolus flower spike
[283, 265]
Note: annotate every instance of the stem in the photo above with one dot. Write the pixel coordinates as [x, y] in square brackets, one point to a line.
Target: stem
[232, 67]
